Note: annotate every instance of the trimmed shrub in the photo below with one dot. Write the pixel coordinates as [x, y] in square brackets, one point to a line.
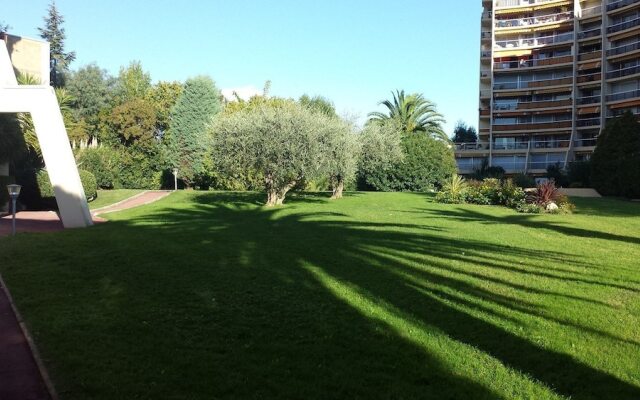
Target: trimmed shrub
[47, 193]
[615, 163]
[428, 164]
[104, 163]
[579, 173]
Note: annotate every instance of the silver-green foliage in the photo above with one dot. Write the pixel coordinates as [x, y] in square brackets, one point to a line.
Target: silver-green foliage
[284, 143]
[380, 150]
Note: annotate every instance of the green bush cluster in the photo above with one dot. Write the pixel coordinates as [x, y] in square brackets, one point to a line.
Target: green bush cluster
[492, 191]
[428, 164]
[47, 193]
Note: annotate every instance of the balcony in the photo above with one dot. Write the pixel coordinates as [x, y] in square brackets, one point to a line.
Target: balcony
[624, 72]
[597, 77]
[531, 126]
[623, 49]
[534, 21]
[541, 62]
[631, 94]
[588, 122]
[471, 146]
[590, 33]
[589, 100]
[619, 4]
[533, 105]
[533, 84]
[485, 54]
[590, 142]
[549, 144]
[591, 12]
[623, 26]
[533, 42]
[519, 3]
[592, 55]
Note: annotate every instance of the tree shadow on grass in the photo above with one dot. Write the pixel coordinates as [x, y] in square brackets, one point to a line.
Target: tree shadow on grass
[270, 303]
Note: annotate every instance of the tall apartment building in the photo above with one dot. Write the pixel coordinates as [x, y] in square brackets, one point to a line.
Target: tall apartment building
[552, 72]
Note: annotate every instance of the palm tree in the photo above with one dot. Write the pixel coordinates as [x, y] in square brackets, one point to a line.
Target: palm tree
[414, 113]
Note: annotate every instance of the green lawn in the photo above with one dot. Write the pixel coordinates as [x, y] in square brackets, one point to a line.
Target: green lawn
[377, 296]
[108, 197]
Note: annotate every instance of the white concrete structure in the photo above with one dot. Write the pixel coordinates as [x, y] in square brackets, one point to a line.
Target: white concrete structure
[40, 101]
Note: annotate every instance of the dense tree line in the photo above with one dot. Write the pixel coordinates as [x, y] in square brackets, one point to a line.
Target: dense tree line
[132, 132]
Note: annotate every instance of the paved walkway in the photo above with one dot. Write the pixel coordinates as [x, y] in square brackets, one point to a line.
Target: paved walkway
[140, 199]
[22, 375]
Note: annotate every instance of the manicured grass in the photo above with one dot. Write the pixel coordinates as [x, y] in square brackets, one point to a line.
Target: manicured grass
[209, 295]
[108, 197]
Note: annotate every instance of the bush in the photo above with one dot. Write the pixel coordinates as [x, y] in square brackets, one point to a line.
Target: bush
[47, 193]
[524, 181]
[104, 163]
[558, 174]
[454, 191]
[529, 208]
[89, 184]
[428, 164]
[510, 194]
[485, 171]
[477, 193]
[579, 174]
[615, 163]
[545, 194]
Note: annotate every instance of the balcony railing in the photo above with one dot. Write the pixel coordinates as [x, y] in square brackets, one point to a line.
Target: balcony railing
[623, 49]
[597, 77]
[471, 146]
[533, 63]
[623, 26]
[485, 54]
[533, 42]
[588, 122]
[532, 105]
[531, 126]
[533, 84]
[619, 4]
[550, 144]
[624, 72]
[624, 95]
[518, 3]
[590, 33]
[485, 93]
[585, 142]
[589, 100]
[592, 55]
[591, 12]
[511, 146]
[531, 21]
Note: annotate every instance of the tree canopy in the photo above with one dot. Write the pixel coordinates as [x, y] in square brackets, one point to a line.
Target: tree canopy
[463, 133]
[615, 163]
[188, 142]
[413, 113]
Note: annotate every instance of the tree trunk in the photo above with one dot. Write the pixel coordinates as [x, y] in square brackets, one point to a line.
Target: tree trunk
[338, 188]
[276, 197]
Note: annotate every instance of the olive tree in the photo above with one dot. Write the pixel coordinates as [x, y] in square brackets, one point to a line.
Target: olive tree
[280, 139]
[342, 154]
[380, 151]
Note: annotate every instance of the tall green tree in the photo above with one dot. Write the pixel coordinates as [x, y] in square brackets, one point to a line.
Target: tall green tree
[92, 90]
[615, 163]
[413, 113]
[133, 83]
[164, 96]
[188, 141]
[54, 33]
[463, 133]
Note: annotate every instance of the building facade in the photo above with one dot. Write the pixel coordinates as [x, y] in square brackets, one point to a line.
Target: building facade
[552, 72]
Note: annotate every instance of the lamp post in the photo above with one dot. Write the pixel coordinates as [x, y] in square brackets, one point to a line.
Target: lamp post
[14, 192]
[175, 179]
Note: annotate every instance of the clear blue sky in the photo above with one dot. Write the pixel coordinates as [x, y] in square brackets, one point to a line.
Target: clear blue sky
[352, 51]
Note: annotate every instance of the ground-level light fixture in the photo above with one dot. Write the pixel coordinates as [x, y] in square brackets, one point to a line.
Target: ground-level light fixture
[14, 192]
